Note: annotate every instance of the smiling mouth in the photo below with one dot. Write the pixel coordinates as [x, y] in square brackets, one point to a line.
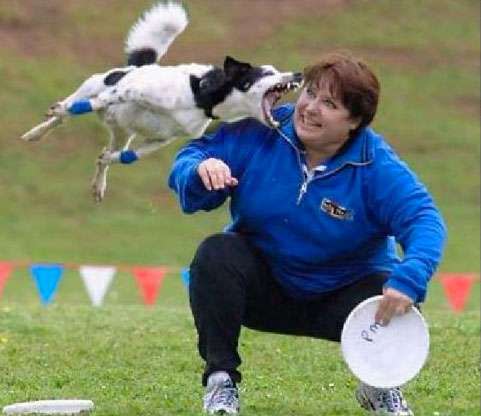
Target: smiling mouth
[308, 123]
[273, 95]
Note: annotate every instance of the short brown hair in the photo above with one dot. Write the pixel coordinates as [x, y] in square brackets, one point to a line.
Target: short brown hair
[349, 80]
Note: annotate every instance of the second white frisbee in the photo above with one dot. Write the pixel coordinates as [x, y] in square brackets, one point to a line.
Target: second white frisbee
[384, 356]
[50, 407]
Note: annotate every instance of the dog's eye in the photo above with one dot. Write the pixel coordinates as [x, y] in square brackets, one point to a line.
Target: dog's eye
[204, 83]
[246, 85]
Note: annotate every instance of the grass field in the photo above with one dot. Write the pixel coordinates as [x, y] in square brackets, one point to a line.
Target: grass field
[133, 360]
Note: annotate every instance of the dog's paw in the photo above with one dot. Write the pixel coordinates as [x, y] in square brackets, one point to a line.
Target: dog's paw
[98, 190]
[107, 157]
[58, 109]
[99, 183]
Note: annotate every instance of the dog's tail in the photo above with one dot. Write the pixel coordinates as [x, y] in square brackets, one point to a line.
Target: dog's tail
[151, 36]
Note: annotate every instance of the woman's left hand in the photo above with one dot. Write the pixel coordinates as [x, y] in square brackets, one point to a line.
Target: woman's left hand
[392, 303]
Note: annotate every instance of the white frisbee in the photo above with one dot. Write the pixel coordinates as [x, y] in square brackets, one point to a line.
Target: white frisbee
[384, 356]
[50, 407]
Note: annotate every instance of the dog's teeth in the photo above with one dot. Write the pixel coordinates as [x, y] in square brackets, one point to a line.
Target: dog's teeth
[272, 122]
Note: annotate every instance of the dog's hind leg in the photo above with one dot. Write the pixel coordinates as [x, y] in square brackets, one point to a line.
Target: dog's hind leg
[59, 110]
[106, 98]
[90, 88]
[40, 130]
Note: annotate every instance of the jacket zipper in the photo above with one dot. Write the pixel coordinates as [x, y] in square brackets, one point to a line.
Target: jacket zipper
[309, 177]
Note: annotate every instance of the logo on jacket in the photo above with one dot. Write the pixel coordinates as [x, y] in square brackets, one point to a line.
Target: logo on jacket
[335, 210]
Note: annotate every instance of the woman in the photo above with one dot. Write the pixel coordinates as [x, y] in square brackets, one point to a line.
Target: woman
[317, 208]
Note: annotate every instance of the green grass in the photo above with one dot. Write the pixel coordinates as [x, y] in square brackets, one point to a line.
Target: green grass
[134, 360]
[131, 359]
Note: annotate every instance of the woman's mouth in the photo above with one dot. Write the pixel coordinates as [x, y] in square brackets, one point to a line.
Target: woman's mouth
[308, 123]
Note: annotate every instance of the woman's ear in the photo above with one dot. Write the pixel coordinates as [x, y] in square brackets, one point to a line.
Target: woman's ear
[355, 122]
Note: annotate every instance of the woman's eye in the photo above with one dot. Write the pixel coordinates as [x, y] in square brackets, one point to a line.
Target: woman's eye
[311, 93]
[329, 103]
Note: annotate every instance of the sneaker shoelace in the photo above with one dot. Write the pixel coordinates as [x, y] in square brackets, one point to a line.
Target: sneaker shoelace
[391, 398]
[226, 394]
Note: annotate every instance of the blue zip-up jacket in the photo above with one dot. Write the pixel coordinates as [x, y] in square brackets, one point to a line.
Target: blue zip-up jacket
[323, 229]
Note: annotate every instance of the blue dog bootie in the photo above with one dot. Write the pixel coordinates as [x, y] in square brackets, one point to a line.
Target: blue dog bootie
[80, 107]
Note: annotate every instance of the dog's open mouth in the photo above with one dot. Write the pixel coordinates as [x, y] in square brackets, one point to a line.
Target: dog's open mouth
[273, 95]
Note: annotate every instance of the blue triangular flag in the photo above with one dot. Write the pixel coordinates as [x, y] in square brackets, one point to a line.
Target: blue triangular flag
[46, 277]
[185, 274]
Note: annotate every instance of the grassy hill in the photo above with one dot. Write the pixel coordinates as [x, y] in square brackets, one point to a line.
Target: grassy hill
[426, 57]
[426, 53]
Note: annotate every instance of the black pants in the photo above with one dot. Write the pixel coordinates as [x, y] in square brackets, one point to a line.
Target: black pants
[231, 286]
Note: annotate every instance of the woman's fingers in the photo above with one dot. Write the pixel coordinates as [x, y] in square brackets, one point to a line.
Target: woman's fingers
[215, 174]
[204, 176]
[392, 303]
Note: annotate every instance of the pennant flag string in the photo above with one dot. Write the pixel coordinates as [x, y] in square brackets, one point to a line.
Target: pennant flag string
[126, 268]
[97, 280]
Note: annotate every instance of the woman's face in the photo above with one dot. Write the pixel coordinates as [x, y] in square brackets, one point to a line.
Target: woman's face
[321, 120]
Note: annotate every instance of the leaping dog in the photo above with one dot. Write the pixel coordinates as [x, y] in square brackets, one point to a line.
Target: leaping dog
[162, 103]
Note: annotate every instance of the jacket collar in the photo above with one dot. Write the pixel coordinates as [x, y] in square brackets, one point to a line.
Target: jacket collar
[357, 151]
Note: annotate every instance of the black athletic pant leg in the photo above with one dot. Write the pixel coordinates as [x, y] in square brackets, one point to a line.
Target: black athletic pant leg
[231, 286]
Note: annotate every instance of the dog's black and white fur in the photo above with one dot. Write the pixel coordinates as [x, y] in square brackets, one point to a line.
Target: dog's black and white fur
[162, 103]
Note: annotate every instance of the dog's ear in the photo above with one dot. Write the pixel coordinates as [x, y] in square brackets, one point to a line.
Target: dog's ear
[194, 84]
[233, 67]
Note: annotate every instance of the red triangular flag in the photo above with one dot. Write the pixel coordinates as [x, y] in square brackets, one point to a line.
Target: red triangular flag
[5, 271]
[149, 280]
[457, 287]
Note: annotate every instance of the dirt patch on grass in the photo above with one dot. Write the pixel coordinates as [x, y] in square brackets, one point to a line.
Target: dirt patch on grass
[469, 106]
[48, 28]
[417, 61]
[27, 27]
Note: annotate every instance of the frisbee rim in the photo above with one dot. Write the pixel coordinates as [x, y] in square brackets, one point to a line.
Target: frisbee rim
[50, 407]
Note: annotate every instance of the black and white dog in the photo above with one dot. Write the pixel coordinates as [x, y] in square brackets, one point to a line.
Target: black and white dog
[162, 103]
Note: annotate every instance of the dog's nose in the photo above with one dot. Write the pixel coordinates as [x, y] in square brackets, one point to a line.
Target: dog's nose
[298, 77]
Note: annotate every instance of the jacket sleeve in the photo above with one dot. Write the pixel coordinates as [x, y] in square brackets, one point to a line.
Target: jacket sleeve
[406, 210]
[233, 143]
[184, 179]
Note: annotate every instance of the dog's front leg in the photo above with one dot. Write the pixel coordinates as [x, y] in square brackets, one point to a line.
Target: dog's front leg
[127, 156]
[106, 158]
[146, 148]
[99, 181]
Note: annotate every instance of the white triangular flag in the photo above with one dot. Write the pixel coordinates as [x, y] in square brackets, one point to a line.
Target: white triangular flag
[97, 280]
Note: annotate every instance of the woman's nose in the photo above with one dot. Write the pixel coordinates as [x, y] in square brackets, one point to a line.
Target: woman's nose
[313, 106]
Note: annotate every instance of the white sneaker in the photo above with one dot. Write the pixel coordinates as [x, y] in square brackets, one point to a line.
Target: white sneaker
[387, 402]
[221, 395]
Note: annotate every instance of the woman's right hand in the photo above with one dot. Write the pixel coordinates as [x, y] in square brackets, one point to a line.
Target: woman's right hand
[215, 174]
